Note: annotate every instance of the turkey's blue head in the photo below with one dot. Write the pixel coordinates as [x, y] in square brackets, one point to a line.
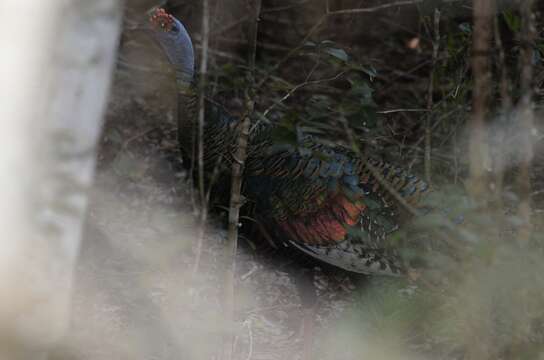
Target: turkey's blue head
[176, 42]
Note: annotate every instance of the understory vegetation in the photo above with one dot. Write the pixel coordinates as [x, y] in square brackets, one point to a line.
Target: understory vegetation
[410, 83]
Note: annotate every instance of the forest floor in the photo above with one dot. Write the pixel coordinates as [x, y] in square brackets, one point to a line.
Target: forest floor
[135, 294]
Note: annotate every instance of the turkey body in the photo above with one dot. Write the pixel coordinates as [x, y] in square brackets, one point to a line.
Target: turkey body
[322, 200]
[326, 202]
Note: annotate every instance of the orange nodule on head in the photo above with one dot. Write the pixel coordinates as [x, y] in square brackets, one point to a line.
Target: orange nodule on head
[161, 20]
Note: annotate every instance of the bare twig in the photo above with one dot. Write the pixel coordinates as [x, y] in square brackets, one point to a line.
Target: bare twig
[250, 339]
[400, 74]
[262, 45]
[392, 111]
[200, 135]
[237, 170]
[136, 137]
[376, 173]
[455, 158]
[249, 273]
[230, 26]
[213, 177]
[299, 86]
[320, 22]
[220, 53]
[284, 8]
[292, 52]
[527, 121]
[374, 8]
[430, 102]
[435, 125]
[390, 189]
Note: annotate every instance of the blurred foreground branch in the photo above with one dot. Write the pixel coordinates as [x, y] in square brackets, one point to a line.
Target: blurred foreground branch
[55, 75]
[526, 117]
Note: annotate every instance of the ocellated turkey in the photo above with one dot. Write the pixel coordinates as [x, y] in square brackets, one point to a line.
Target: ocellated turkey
[324, 201]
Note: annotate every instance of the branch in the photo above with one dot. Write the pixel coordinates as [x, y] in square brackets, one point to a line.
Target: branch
[392, 111]
[374, 8]
[299, 86]
[236, 187]
[284, 8]
[527, 118]
[200, 134]
[430, 103]
[292, 52]
[318, 24]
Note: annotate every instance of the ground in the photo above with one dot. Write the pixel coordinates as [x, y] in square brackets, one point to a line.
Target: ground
[136, 296]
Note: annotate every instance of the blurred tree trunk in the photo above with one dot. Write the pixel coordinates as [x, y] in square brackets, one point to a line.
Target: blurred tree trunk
[479, 146]
[480, 162]
[56, 65]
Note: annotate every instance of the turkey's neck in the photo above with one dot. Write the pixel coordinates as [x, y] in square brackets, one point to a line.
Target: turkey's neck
[178, 47]
[218, 125]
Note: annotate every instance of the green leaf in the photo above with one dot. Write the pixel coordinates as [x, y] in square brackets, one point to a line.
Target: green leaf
[286, 131]
[361, 87]
[512, 20]
[284, 135]
[365, 116]
[363, 91]
[370, 71]
[327, 43]
[465, 27]
[320, 101]
[348, 108]
[337, 53]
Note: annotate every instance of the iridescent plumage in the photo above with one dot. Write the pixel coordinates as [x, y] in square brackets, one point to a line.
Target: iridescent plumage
[325, 201]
